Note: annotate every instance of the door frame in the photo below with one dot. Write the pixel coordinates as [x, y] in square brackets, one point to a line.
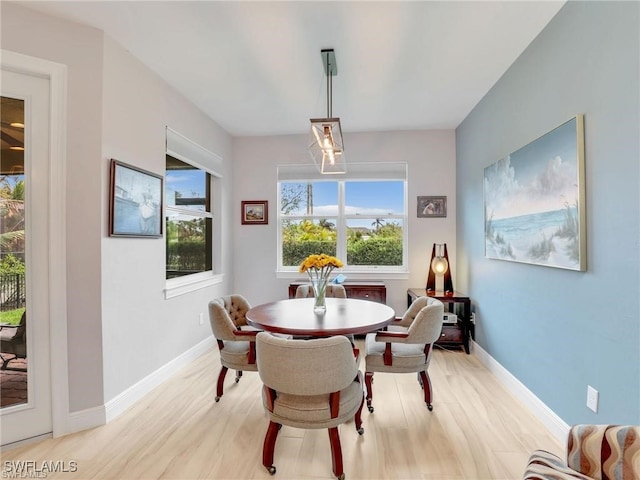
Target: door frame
[57, 75]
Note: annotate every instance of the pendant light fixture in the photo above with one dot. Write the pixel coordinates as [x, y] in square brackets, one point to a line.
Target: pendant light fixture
[325, 140]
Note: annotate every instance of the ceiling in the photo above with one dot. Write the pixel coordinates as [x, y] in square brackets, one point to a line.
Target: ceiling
[256, 69]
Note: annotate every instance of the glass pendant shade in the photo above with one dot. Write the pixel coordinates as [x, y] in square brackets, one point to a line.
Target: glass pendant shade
[326, 145]
[440, 265]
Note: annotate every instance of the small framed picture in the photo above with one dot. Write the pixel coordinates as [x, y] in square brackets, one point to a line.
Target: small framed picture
[135, 201]
[255, 212]
[432, 207]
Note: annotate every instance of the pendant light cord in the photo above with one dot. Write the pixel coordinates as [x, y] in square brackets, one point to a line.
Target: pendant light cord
[329, 91]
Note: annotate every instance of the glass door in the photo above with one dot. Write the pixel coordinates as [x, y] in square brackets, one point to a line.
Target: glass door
[25, 351]
[13, 346]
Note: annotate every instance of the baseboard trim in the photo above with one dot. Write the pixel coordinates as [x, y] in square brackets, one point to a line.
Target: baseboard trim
[126, 399]
[540, 410]
[97, 416]
[84, 419]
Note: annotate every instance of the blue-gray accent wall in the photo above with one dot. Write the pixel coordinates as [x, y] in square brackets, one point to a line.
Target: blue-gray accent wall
[558, 330]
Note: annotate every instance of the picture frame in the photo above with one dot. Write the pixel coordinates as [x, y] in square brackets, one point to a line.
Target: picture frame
[534, 201]
[432, 206]
[135, 202]
[255, 212]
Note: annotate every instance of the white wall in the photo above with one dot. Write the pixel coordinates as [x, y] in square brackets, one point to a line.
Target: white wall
[430, 156]
[141, 330]
[120, 327]
[80, 48]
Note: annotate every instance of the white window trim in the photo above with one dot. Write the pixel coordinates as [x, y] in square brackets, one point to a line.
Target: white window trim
[190, 283]
[180, 147]
[357, 171]
[294, 275]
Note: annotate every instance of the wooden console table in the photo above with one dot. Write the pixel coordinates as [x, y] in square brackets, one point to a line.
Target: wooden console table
[374, 291]
[454, 334]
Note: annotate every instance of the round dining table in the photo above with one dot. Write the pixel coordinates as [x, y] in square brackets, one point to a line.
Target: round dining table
[343, 316]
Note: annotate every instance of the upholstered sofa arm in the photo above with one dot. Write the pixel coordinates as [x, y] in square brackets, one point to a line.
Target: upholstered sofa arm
[544, 465]
[605, 451]
[595, 452]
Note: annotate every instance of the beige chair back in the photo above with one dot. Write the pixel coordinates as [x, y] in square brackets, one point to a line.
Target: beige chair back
[427, 325]
[333, 290]
[412, 311]
[305, 367]
[226, 314]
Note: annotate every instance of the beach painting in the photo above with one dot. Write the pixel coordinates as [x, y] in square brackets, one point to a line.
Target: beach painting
[534, 201]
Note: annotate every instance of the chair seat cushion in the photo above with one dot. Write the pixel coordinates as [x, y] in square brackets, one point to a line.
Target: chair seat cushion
[18, 349]
[313, 411]
[235, 355]
[11, 341]
[7, 333]
[547, 466]
[407, 357]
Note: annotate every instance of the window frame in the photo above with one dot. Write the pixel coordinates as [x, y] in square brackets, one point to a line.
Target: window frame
[300, 174]
[207, 213]
[185, 150]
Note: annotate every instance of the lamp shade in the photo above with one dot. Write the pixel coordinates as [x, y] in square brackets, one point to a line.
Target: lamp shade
[440, 265]
[326, 145]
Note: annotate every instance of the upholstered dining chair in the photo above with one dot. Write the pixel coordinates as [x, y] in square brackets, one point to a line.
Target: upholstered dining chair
[405, 351]
[309, 384]
[333, 290]
[236, 340]
[401, 324]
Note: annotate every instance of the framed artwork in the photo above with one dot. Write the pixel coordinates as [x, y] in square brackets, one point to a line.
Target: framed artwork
[534, 201]
[432, 207]
[135, 202]
[255, 212]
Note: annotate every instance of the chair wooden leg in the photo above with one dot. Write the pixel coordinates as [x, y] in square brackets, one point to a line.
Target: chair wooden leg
[269, 446]
[336, 452]
[358, 418]
[220, 388]
[426, 385]
[368, 380]
[5, 361]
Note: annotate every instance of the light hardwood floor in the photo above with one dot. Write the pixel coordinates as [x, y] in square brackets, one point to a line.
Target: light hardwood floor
[476, 431]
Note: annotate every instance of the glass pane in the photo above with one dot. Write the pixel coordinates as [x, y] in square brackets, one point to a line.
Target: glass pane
[374, 241]
[13, 379]
[309, 198]
[189, 246]
[186, 186]
[377, 198]
[301, 238]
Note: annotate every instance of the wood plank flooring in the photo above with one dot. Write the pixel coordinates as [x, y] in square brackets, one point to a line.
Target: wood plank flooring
[476, 431]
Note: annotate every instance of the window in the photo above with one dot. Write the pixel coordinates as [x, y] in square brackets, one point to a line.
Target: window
[189, 219]
[192, 211]
[359, 217]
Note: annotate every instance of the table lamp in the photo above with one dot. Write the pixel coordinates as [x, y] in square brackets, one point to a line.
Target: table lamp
[439, 266]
